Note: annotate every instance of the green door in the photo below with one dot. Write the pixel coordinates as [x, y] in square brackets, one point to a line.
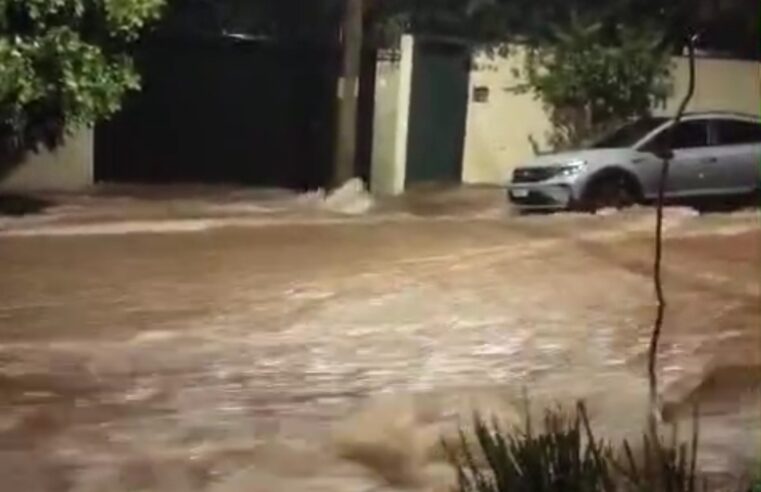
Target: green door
[438, 109]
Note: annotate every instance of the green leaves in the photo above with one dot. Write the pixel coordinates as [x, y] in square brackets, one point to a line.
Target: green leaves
[123, 18]
[18, 85]
[565, 456]
[128, 17]
[592, 76]
[561, 457]
[89, 85]
[61, 64]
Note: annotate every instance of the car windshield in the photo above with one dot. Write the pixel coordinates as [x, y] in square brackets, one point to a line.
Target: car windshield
[629, 134]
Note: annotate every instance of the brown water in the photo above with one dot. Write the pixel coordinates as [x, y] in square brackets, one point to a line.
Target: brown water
[333, 356]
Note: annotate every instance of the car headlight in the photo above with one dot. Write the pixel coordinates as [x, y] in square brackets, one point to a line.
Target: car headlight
[572, 168]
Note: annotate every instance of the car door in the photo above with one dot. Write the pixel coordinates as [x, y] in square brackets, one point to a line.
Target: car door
[736, 145]
[687, 173]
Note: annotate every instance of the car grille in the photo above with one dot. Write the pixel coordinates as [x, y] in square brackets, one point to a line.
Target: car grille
[533, 174]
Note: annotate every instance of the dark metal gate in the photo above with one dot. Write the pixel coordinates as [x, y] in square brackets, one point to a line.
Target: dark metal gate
[225, 110]
[438, 111]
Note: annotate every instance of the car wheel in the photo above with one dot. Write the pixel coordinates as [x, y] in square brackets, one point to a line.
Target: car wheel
[609, 192]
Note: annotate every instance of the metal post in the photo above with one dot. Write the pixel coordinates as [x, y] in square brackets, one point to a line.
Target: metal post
[348, 93]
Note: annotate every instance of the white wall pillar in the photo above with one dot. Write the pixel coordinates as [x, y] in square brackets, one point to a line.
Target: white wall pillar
[391, 120]
[403, 114]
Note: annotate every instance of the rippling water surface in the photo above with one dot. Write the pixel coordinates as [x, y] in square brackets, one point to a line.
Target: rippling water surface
[334, 356]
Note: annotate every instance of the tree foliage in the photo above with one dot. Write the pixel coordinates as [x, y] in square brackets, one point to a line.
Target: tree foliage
[591, 77]
[496, 21]
[63, 65]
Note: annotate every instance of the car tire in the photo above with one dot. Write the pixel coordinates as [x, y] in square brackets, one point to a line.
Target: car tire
[614, 191]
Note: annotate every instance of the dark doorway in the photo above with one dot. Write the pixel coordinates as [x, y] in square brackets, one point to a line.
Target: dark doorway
[366, 113]
[438, 110]
[224, 110]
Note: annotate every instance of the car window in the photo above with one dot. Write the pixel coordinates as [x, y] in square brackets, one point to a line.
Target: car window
[733, 132]
[688, 135]
[629, 134]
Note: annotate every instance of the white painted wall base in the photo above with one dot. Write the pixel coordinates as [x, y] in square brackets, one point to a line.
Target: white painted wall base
[68, 168]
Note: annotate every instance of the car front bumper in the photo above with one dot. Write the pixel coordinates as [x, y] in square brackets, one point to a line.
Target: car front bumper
[540, 196]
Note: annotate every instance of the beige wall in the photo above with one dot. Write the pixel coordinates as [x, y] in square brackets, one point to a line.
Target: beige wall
[68, 168]
[720, 85]
[392, 103]
[497, 131]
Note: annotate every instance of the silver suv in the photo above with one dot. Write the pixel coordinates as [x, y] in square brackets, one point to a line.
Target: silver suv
[715, 155]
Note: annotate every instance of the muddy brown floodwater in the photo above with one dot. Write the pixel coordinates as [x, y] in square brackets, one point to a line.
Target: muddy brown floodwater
[331, 356]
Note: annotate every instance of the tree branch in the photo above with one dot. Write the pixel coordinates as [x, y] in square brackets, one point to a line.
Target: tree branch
[657, 269]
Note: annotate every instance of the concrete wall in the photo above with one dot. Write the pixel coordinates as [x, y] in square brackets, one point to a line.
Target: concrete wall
[68, 168]
[497, 138]
[390, 125]
[497, 131]
[721, 85]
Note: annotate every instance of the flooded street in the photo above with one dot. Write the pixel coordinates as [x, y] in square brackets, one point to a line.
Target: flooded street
[332, 355]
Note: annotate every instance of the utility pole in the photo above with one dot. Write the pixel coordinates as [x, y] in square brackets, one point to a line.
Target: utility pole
[348, 92]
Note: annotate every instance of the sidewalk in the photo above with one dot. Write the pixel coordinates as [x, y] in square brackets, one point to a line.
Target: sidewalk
[177, 208]
[160, 206]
